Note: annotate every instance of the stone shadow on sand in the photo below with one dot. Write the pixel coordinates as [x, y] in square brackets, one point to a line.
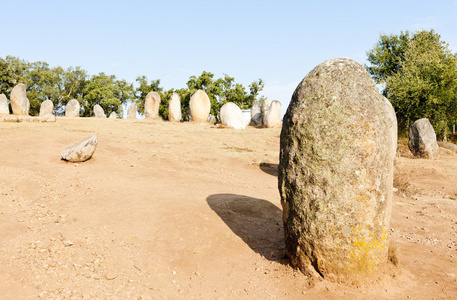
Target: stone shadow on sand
[268, 168]
[257, 222]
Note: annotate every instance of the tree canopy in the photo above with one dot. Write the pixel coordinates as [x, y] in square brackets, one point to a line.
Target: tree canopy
[419, 75]
[61, 85]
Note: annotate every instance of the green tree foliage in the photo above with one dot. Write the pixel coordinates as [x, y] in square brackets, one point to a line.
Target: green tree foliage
[61, 85]
[223, 90]
[106, 91]
[387, 55]
[419, 77]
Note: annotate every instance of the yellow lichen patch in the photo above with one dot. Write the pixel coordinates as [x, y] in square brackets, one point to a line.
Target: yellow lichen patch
[365, 253]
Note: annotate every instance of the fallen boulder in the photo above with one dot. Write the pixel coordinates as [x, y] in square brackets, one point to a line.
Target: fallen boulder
[80, 151]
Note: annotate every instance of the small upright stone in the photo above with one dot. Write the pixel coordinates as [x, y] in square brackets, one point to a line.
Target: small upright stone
[264, 108]
[422, 140]
[4, 110]
[131, 112]
[174, 108]
[335, 174]
[46, 108]
[113, 115]
[232, 116]
[72, 109]
[273, 115]
[19, 102]
[152, 105]
[98, 111]
[80, 151]
[199, 106]
[256, 114]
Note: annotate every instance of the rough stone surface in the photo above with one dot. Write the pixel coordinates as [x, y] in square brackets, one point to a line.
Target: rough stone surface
[113, 115]
[46, 108]
[131, 112]
[336, 173]
[48, 118]
[72, 108]
[80, 151]
[232, 116]
[422, 140]
[273, 115]
[151, 105]
[174, 108]
[19, 102]
[4, 110]
[256, 114]
[99, 112]
[199, 106]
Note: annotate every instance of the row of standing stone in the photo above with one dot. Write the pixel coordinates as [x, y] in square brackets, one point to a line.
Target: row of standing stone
[267, 113]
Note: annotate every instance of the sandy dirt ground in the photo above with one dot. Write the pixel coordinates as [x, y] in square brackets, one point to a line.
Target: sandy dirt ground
[190, 211]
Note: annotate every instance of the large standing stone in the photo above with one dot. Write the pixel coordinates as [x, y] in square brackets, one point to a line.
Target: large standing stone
[98, 111]
[4, 110]
[46, 108]
[151, 105]
[174, 108]
[273, 116]
[232, 116]
[256, 114]
[72, 108]
[199, 106]
[19, 102]
[422, 140]
[80, 151]
[336, 172]
[131, 112]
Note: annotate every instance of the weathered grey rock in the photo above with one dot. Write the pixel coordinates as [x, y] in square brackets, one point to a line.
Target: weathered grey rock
[151, 105]
[19, 102]
[113, 115]
[98, 111]
[4, 110]
[199, 106]
[264, 108]
[336, 173]
[72, 108]
[422, 140]
[273, 115]
[46, 108]
[174, 108]
[80, 151]
[256, 114]
[131, 112]
[448, 145]
[232, 116]
[48, 118]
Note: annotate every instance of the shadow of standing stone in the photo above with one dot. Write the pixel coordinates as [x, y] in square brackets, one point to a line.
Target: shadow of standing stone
[257, 222]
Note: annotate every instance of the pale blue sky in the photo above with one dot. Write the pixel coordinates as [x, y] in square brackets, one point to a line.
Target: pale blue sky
[278, 41]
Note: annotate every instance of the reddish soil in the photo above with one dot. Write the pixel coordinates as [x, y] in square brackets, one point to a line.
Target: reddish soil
[170, 211]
